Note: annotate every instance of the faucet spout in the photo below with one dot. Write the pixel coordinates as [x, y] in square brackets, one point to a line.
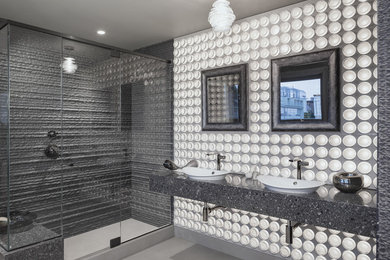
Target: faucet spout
[290, 230]
[220, 157]
[300, 164]
[207, 210]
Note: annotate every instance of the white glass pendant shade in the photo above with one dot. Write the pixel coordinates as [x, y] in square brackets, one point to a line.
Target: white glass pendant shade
[69, 65]
[221, 16]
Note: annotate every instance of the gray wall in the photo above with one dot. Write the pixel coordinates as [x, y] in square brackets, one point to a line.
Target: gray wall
[163, 50]
[155, 137]
[384, 130]
[102, 175]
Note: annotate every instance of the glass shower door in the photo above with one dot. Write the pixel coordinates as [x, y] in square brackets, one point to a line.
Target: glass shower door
[93, 150]
[35, 171]
[4, 135]
[82, 129]
[146, 118]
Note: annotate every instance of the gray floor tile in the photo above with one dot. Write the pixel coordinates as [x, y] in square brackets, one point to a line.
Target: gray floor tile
[179, 249]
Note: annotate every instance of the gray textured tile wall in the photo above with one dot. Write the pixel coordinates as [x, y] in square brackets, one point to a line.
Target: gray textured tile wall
[384, 130]
[35, 108]
[163, 50]
[155, 137]
[3, 117]
[102, 174]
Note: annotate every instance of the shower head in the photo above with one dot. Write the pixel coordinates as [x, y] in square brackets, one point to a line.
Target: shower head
[68, 47]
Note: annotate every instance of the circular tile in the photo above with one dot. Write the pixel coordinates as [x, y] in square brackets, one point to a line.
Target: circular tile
[364, 35]
[335, 240]
[364, 141]
[321, 249]
[364, 61]
[334, 40]
[335, 153]
[321, 139]
[349, 24]
[349, 153]
[335, 140]
[364, 87]
[334, 253]
[349, 140]
[349, 11]
[364, 8]
[364, 154]
[348, 255]
[349, 63]
[349, 101]
[364, 21]
[364, 247]
[349, 50]
[364, 127]
[364, 48]
[364, 74]
[364, 101]
[308, 9]
[349, 127]
[334, 4]
[335, 16]
[296, 12]
[321, 6]
[349, 166]
[349, 89]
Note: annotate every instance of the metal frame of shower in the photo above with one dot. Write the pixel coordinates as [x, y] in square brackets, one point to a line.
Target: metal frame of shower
[5, 22]
[115, 51]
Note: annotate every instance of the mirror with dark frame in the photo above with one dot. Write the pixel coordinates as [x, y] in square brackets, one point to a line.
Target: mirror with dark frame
[224, 99]
[305, 92]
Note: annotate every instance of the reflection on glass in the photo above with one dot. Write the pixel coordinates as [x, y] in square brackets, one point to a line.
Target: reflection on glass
[223, 99]
[300, 100]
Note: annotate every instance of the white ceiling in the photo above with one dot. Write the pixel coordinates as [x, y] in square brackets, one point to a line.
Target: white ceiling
[130, 24]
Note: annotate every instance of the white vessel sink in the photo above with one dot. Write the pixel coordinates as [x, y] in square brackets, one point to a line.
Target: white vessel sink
[203, 174]
[287, 185]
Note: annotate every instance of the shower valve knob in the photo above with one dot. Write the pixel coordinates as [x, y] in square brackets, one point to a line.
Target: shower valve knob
[52, 134]
[52, 151]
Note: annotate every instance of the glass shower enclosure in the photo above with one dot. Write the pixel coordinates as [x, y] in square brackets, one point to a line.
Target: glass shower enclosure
[81, 129]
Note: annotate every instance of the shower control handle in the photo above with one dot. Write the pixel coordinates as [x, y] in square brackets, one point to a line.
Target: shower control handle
[52, 134]
[52, 151]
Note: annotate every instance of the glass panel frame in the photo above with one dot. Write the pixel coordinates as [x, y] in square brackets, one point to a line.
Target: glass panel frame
[4, 136]
[35, 178]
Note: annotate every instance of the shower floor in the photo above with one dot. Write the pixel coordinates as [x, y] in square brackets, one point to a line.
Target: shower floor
[98, 239]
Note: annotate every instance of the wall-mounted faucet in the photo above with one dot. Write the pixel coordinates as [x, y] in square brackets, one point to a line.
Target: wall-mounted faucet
[207, 210]
[300, 164]
[220, 157]
[290, 230]
[290, 226]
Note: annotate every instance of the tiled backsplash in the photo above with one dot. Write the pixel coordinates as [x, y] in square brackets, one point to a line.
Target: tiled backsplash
[310, 26]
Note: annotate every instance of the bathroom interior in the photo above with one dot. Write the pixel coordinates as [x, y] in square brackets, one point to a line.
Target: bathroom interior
[194, 130]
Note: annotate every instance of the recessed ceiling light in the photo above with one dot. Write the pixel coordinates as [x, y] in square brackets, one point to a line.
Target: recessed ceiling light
[101, 32]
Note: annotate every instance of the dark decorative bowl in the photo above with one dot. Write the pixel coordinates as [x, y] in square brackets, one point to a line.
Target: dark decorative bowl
[348, 182]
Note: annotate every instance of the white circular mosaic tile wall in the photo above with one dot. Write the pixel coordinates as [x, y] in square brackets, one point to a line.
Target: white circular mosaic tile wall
[266, 233]
[350, 25]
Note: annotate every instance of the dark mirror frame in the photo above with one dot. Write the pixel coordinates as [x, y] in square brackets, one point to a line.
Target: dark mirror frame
[323, 65]
[242, 124]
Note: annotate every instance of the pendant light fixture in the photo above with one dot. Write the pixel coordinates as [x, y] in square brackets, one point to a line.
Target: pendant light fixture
[221, 16]
[69, 65]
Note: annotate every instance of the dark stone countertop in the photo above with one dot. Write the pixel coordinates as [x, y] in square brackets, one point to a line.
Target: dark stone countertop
[354, 213]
